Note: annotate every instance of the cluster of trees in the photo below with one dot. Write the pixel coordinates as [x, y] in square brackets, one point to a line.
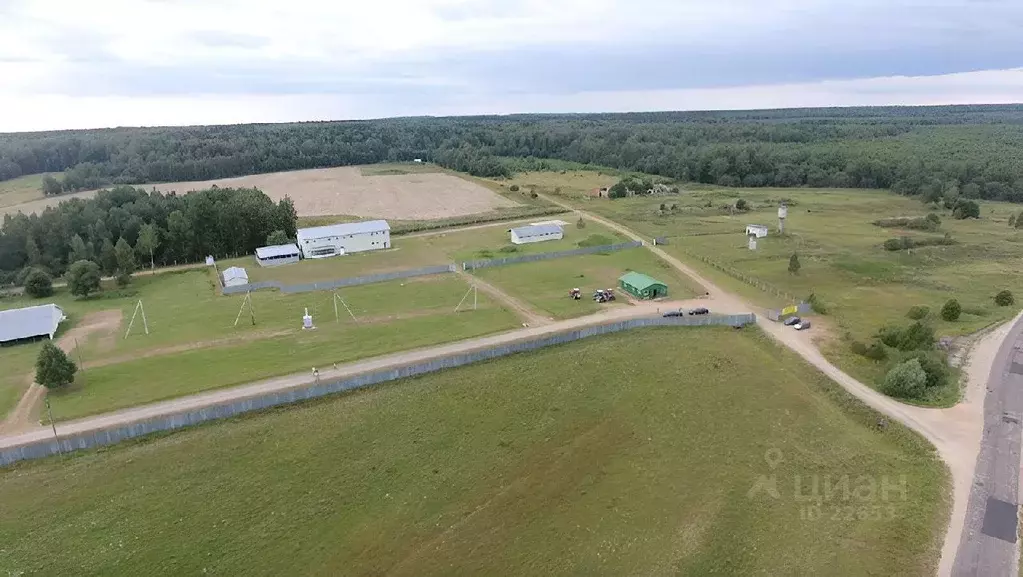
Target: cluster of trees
[936, 152]
[123, 226]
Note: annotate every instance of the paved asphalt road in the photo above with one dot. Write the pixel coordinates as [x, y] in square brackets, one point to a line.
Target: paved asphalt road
[988, 545]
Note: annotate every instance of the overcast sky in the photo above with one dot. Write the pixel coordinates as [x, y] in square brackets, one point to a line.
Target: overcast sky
[79, 64]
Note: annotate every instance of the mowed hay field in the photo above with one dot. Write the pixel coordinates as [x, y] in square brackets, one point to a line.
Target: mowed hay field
[594, 458]
[386, 191]
[194, 345]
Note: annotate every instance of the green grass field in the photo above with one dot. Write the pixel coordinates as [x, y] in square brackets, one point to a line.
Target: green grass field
[194, 345]
[594, 458]
[545, 284]
[23, 189]
[419, 251]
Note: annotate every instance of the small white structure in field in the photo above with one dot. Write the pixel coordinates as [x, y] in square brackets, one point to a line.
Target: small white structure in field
[417, 160]
[235, 276]
[341, 239]
[783, 213]
[536, 233]
[757, 230]
[30, 322]
[277, 254]
[209, 260]
[752, 242]
[307, 321]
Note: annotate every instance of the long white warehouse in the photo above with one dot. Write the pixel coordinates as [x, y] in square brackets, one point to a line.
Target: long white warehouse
[339, 239]
[536, 233]
[30, 322]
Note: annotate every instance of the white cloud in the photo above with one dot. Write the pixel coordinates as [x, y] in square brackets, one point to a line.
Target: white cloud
[153, 61]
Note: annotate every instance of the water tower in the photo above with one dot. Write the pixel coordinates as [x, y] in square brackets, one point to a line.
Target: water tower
[783, 213]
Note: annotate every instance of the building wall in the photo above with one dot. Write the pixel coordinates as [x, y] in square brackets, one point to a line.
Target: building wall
[524, 240]
[345, 244]
[277, 261]
[237, 281]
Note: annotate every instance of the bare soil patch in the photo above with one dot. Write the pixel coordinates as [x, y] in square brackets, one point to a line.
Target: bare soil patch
[344, 190]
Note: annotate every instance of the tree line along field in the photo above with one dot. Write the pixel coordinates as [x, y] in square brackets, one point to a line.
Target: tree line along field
[917, 150]
[861, 285]
[378, 481]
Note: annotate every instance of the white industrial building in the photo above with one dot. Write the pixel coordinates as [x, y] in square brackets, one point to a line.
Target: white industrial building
[235, 276]
[30, 323]
[340, 239]
[277, 254]
[536, 233]
[757, 230]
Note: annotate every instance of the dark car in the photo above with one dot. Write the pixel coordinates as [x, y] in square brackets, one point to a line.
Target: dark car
[672, 314]
[792, 321]
[699, 311]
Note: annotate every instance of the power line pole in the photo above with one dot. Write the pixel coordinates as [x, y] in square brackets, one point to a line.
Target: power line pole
[49, 415]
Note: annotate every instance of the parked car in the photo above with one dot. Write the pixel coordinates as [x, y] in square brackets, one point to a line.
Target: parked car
[792, 321]
[803, 325]
[673, 314]
[699, 311]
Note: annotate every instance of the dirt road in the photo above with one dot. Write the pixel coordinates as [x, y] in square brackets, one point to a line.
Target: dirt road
[529, 316]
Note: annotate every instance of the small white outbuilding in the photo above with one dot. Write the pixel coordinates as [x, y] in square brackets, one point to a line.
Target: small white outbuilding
[277, 254]
[536, 233]
[30, 323]
[757, 230]
[235, 276]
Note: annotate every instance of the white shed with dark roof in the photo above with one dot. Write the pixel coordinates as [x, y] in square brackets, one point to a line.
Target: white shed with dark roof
[277, 254]
[30, 323]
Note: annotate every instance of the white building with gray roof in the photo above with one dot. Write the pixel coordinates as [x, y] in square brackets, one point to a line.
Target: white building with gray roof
[536, 233]
[277, 254]
[30, 323]
[344, 238]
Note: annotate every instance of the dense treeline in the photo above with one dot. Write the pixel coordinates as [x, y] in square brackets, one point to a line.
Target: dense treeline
[163, 229]
[973, 151]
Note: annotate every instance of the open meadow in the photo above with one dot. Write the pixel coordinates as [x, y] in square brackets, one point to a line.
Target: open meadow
[593, 458]
[380, 191]
[860, 285]
[194, 344]
[21, 190]
[545, 284]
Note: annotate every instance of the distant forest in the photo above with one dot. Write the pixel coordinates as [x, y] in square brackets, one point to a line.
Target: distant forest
[972, 151]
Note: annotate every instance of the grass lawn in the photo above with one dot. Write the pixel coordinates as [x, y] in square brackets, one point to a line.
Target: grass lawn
[586, 459]
[193, 344]
[545, 284]
[23, 189]
[420, 251]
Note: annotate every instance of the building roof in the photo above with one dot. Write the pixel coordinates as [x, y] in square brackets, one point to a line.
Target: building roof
[343, 228]
[756, 226]
[537, 230]
[639, 280]
[277, 250]
[29, 322]
[235, 272]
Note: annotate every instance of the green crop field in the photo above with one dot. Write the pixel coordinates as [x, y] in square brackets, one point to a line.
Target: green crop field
[594, 458]
[545, 284]
[194, 344]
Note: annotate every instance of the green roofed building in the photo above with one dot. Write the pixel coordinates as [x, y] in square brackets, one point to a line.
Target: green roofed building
[641, 286]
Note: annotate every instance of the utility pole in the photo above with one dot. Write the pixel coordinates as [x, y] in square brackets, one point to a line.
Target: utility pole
[49, 415]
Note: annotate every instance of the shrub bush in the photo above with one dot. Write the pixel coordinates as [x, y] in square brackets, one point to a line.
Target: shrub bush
[859, 348]
[816, 305]
[38, 284]
[907, 380]
[934, 365]
[918, 312]
[1004, 298]
[951, 311]
[916, 336]
[876, 352]
[514, 188]
[508, 248]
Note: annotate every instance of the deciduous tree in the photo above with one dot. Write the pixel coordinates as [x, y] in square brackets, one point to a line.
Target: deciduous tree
[53, 367]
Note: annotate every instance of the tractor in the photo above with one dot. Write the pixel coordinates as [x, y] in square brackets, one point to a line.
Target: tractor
[575, 294]
[604, 295]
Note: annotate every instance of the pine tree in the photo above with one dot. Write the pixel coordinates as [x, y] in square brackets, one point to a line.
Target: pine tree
[794, 265]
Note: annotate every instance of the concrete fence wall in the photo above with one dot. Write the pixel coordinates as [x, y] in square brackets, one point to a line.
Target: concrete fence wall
[114, 435]
[338, 283]
[475, 264]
